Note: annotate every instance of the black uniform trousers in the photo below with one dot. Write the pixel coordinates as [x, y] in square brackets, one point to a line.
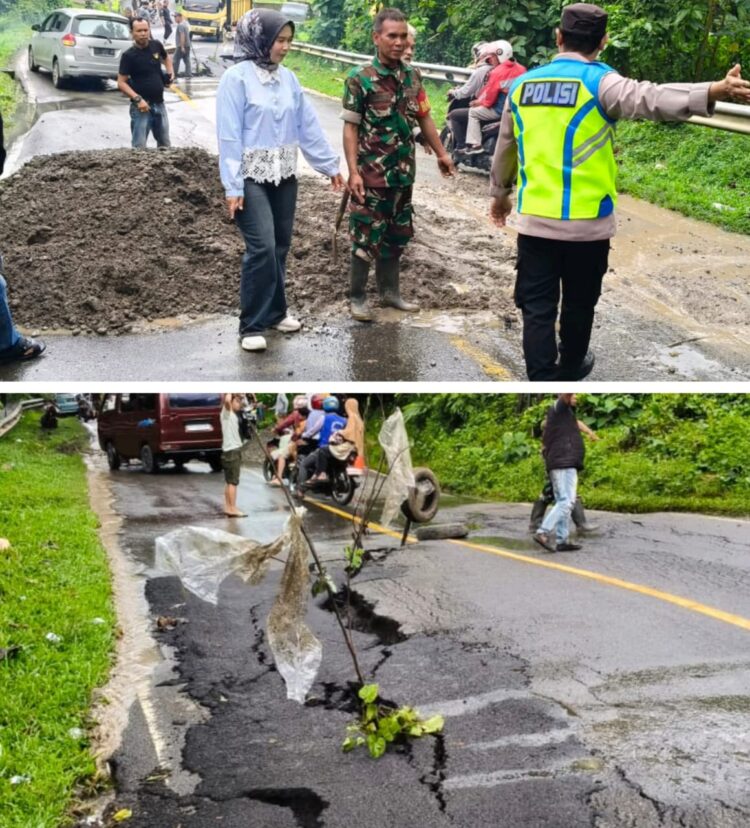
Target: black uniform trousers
[543, 267]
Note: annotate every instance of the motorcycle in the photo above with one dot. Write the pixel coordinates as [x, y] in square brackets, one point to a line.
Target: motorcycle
[343, 480]
[490, 133]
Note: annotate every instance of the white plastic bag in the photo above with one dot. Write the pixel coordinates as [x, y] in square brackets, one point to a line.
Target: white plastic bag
[395, 442]
[202, 558]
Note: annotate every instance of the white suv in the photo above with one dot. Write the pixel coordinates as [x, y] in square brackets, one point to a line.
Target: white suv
[75, 43]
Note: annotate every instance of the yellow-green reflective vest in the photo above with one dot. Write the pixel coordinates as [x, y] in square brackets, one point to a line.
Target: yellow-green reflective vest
[566, 162]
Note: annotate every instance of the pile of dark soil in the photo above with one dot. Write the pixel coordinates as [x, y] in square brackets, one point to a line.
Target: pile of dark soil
[106, 241]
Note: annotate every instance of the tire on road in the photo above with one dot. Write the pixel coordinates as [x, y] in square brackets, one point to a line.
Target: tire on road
[422, 504]
[148, 460]
[33, 67]
[342, 488]
[58, 81]
[113, 457]
[269, 470]
[215, 463]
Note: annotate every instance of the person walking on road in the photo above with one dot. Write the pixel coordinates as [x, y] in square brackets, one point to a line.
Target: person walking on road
[182, 45]
[547, 497]
[563, 450]
[381, 99]
[13, 346]
[263, 118]
[140, 78]
[231, 451]
[166, 16]
[556, 137]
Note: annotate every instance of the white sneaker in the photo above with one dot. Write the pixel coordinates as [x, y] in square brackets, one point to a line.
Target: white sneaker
[254, 343]
[288, 325]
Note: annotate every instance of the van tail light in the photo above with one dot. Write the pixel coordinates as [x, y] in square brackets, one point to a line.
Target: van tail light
[68, 40]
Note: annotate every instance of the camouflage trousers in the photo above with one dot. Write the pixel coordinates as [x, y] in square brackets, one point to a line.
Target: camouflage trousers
[382, 226]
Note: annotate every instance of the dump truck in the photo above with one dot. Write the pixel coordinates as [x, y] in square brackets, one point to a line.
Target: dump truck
[214, 18]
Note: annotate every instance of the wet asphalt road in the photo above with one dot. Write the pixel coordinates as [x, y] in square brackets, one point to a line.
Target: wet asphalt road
[634, 342]
[568, 701]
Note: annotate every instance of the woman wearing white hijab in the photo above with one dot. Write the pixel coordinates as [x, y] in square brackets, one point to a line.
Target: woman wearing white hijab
[263, 118]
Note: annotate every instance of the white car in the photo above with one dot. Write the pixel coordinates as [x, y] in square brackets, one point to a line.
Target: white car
[76, 43]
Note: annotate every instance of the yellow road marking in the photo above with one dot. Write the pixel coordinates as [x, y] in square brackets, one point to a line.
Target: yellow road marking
[485, 361]
[180, 94]
[677, 600]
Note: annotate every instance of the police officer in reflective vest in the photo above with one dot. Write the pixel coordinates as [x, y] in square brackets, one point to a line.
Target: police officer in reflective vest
[556, 143]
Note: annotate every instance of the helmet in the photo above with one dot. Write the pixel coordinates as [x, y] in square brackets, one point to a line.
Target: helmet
[300, 401]
[500, 48]
[331, 404]
[477, 48]
[316, 401]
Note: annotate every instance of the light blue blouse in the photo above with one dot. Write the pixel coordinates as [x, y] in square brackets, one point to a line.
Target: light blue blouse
[251, 115]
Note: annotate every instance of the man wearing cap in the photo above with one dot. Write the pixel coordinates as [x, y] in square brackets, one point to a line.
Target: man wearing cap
[556, 138]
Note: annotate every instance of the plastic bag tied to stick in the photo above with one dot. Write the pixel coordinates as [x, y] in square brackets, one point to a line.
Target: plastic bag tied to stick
[395, 442]
[202, 558]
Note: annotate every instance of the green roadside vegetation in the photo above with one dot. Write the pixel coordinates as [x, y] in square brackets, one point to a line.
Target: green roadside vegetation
[656, 452]
[56, 623]
[698, 171]
[13, 34]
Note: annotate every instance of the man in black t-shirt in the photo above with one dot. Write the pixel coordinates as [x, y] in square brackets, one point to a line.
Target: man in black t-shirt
[140, 78]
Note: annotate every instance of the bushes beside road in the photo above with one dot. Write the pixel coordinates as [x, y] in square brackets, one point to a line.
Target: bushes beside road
[54, 582]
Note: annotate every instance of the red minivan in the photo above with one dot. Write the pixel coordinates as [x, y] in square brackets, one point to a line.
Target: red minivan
[155, 428]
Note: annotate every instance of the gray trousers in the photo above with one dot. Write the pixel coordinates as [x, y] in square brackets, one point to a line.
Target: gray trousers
[180, 55]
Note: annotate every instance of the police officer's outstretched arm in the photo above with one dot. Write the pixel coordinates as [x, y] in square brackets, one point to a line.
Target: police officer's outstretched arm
[732, 86]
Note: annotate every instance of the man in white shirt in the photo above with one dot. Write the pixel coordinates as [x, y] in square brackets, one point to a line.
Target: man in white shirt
[231, 452]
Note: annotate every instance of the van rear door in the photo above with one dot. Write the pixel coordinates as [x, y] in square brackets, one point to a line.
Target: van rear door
[190, 421]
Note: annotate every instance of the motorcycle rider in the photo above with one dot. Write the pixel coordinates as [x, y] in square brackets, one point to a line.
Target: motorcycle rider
[461, 97]
[488, 105]
[350, 438]
[332, 423]
[289, 430]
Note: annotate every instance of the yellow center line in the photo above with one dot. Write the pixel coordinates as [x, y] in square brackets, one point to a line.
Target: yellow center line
[180, 94]
[485, 361]
[677, 600]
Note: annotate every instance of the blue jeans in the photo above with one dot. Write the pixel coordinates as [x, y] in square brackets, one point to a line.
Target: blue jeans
[564, 485]
[154, 121]
[8, 333]
[266, 224]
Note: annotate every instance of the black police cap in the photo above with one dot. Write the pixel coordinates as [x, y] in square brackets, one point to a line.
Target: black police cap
[584, 19]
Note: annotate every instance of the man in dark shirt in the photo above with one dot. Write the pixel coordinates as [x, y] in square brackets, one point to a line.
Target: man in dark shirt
[140, 78]
[563, 455]
[13, 346]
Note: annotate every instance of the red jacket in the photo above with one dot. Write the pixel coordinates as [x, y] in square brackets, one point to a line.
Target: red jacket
[499, 81]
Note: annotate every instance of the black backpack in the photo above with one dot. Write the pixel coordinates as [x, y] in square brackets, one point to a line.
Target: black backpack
[244, 425]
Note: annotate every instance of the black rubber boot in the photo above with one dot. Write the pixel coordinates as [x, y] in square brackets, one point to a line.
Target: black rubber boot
[387, 274]
[360, 307]
[579, 518]
[537, 514]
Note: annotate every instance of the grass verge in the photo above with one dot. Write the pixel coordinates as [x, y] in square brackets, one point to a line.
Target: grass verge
[54, 579]
[700, 172]
[13, 35]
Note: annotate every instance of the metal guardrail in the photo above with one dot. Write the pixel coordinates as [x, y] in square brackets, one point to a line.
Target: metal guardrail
[10, 416]
[433, 71]
[728, 117]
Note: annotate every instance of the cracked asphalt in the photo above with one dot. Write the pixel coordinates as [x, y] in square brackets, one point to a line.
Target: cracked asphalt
[568, 702]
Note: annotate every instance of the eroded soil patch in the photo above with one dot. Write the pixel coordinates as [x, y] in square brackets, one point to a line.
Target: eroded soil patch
[107, 241]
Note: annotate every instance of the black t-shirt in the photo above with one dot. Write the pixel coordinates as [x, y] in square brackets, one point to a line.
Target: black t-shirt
[143, 68]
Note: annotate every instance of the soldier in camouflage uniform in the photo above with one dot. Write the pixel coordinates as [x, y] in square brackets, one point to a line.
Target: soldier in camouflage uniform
[381, 101]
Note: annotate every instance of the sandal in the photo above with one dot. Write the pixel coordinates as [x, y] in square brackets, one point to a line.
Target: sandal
[25, 348]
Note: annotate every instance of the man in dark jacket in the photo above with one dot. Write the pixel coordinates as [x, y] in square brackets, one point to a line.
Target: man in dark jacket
[13, 346]
[563, 451]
